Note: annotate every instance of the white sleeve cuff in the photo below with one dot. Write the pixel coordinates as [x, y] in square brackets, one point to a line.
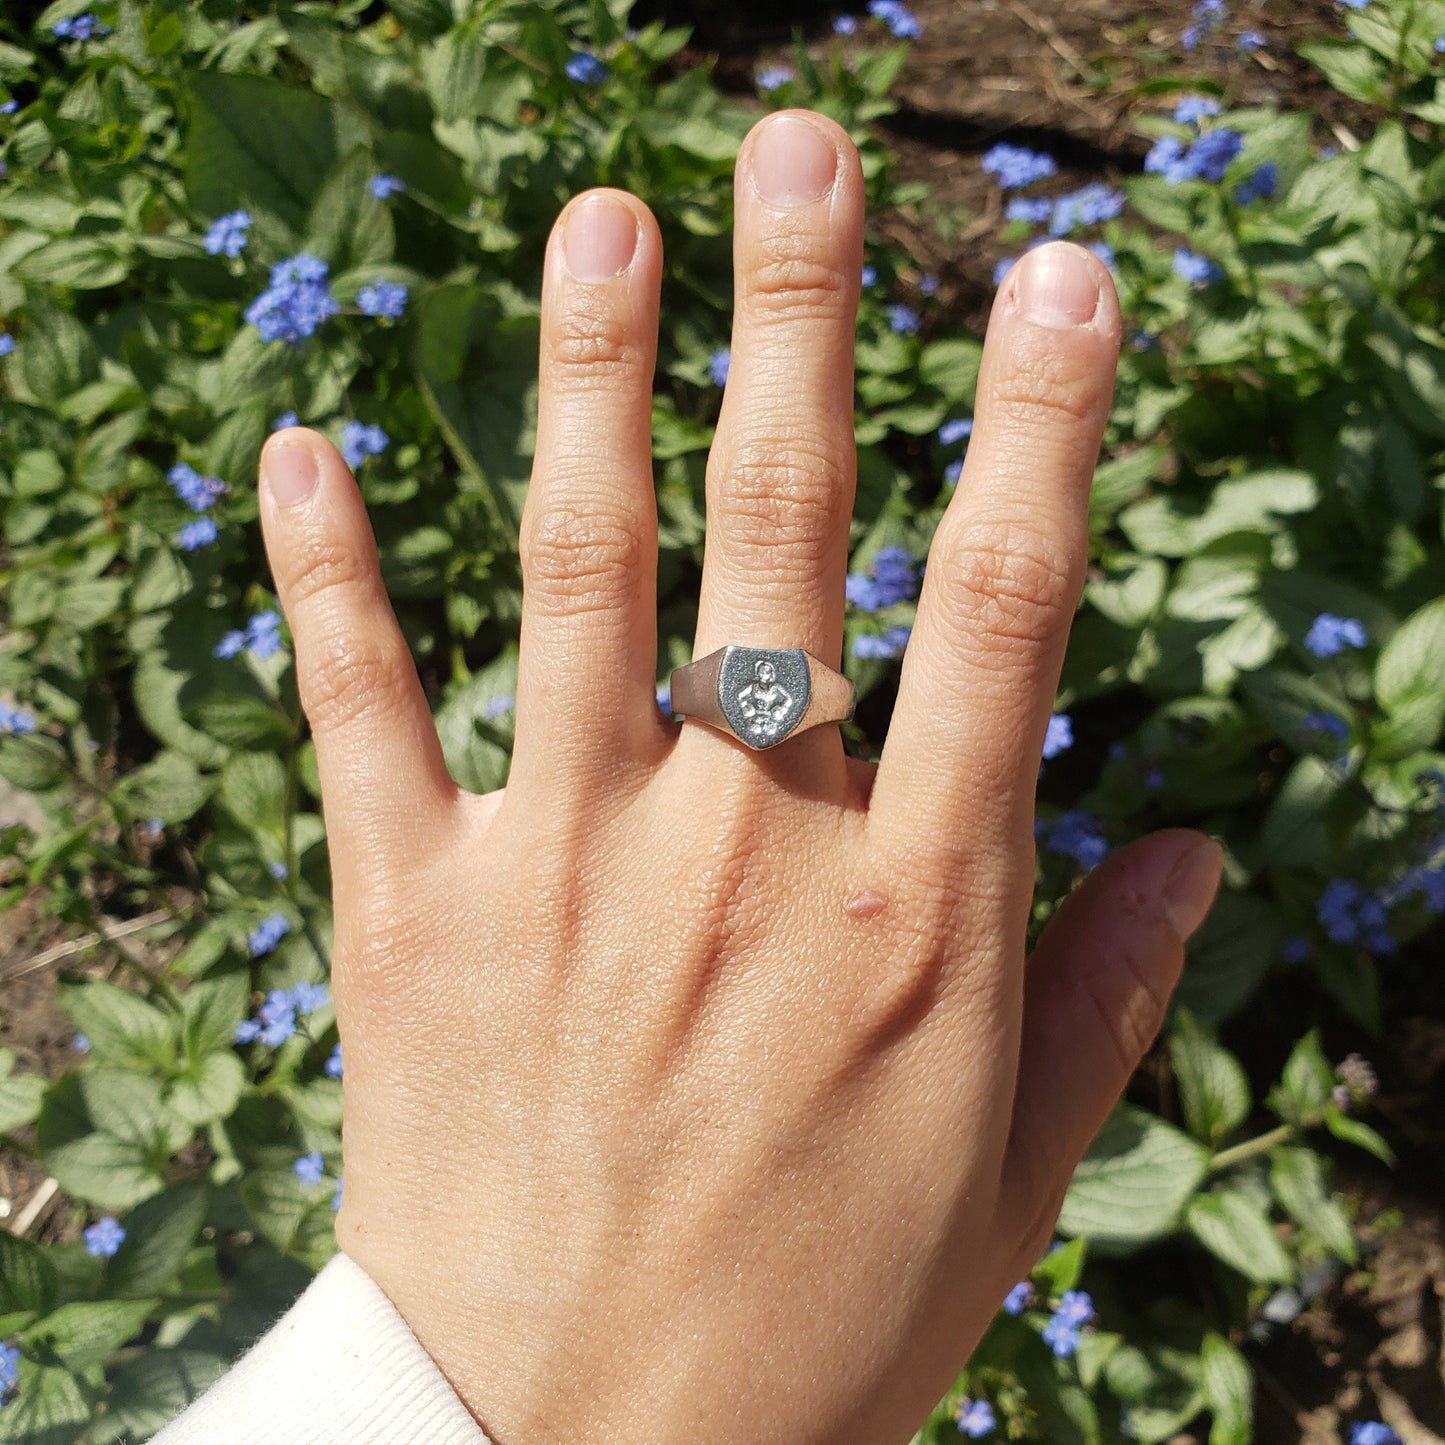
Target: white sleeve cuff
[339, 1366]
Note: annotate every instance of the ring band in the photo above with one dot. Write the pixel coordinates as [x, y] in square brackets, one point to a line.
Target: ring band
[761, 695]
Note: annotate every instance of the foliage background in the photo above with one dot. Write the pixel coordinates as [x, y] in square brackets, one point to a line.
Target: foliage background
[1275, 453]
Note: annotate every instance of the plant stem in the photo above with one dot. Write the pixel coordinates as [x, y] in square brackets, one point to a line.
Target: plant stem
[1228, 1158]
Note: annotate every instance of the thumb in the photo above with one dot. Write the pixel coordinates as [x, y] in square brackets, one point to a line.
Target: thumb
[1095, 996]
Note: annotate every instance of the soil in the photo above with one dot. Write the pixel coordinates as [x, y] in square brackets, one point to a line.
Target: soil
[1066, 79]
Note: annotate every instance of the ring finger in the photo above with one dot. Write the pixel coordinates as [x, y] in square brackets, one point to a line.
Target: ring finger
[780, 478]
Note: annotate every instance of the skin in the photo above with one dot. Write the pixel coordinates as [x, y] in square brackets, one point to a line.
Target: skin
[694, 1092]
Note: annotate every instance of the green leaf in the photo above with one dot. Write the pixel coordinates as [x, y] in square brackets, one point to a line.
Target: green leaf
[87, 1334]
[293, 1216]
[1232, 1226]
[208, 1089]
[1213, 1088]
[85, 263]
[1228, 1392]
[27, 1277]
[146, 1393]
[240, 720]
[253, 789]
[20, 1095]
[169, 787]
[469, 726]
[1305, 1086]
[1061, 1269]
[1412, 663]
[453, 69]
[1133, 1183]
[1351, 69]
[1297, 1176]
[1352, 1131]
[1228, 957]
[158, 1235]
[261, 146]
[59, 355]
[211, 1009]
[121, 1026]
[49, 1408]
[349, 227]
[91, 1165]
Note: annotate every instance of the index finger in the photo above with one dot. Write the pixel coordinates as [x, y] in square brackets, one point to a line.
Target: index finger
[1004, 572]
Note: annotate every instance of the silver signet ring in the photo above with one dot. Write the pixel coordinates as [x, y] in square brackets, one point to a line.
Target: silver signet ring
[761, 695]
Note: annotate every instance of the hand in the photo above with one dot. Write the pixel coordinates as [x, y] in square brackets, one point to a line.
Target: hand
[696, 1093]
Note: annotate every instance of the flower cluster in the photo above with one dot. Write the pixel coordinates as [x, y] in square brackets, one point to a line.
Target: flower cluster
[1329, 634]
[1372, 1432]
[264, 937]
[1206, 16]
[975, 1418]
[9, 1371]
[891, 644]
[1351, 915]
[904, 320]
[79, 27]
[1060, 736]
[310, 1168]
[1076, 834]
[261, 637]
[276, 1019]
[16, 719]
[891, 578]
[382, 298]
[585, 68]
[197, 492]
[1061, 1334]
[227, 237]
[1197, 270]
[1017, 166]
[104, 1237]
[296, 302]
[1090, 205]
[897, 17]
[1357, 1082]
[359, 441]
[1206, 158]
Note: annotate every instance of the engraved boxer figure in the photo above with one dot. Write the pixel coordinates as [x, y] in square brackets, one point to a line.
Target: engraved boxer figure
[765, 702]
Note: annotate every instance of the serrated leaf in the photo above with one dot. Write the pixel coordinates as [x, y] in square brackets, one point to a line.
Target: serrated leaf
[1133, 1183]
[48, 1409]
[1213, 1088]
[1304, 1087]
[1232, 1226]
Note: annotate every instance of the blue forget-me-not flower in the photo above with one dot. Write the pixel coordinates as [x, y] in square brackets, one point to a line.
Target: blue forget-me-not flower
[1014, 166]
[197, 492]
[7, 343]
[16, 720]
[718, 365]
[359, 441]
[897, 17]
[261, 636]
[227, 237]
[267, 934]
[891, 644]
[1195, 269]
[383, 187]
[1329, 634]
[382, 298]
[296, 302]
[774, 76]
[975, 1418]
[1060, 735]
[195, 535]
[310, 1168]
[585, 68]
[79, 27]
[104, 1237]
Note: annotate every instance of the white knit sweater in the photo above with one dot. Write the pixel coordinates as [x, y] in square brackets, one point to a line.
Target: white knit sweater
[339, 1368]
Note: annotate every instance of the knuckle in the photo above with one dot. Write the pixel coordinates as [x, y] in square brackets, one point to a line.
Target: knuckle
[588, 344]
[351, 680]
[782, 502]
[580, 560]
[326, 567]
[804, 286]
[1004, 580]
[1045, 387]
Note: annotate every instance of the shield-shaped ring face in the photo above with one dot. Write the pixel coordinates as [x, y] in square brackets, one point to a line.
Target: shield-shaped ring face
[764, 692]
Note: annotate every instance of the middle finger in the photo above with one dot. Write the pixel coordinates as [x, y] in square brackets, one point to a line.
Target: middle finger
[780, 478]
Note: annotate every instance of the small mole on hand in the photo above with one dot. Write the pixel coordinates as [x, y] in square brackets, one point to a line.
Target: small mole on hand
[867, 904]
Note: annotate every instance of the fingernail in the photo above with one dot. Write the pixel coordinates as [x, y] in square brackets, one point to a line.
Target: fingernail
[793, 162]
[291, 472]
[1191, 886]
[1058, 286]
[600, 239]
